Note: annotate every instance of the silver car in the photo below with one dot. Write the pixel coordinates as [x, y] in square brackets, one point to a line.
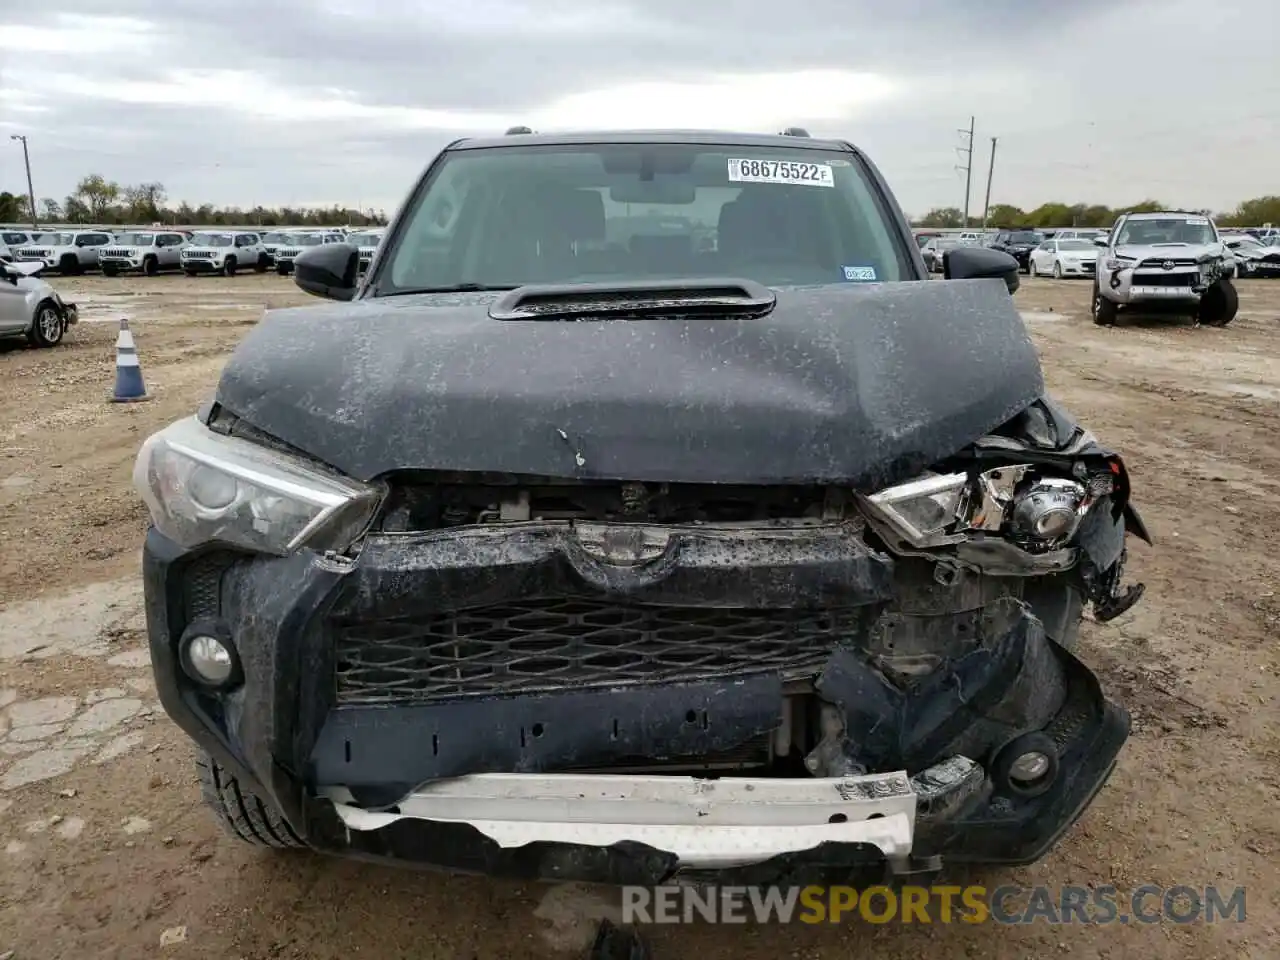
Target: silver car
[30, 307]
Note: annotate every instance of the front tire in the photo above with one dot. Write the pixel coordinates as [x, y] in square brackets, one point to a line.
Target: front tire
[110, 272]
[1219, 304]
[189, 273]
[150, 266]
[229, 267]
[1057, 271]
[282, 270]
[69, 266]
[242, 814]
[1103, 310]
[47, 329]
[1031, 269]
[261, 265]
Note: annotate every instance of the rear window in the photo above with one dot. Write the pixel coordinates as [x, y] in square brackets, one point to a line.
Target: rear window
[508, 216]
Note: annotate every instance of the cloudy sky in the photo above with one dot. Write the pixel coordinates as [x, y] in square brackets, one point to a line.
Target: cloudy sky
[324, 101]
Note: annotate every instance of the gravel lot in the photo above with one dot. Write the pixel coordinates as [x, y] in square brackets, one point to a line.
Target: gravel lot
[104, 846]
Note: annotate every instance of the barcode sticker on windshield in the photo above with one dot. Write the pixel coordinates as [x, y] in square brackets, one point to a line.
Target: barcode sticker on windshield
[1197, 220]
[780, 171]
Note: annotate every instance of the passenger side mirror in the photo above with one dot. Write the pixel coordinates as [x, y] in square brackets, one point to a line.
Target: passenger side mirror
[1101, 241]
[978, 263]
[328, 270]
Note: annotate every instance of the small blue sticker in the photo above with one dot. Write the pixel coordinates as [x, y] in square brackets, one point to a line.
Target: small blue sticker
[860, 274]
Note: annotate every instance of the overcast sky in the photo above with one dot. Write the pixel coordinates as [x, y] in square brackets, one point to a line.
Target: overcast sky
[324, 101]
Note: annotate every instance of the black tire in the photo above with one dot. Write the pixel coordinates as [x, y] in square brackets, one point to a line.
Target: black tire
[229, 267]
[241, 813]
[1103, 310]
[1219, 304]
[189, 273]
[110, 272]
[69, 266]
[48, 328]
[282, 270]
[150, 266]
[262, 264]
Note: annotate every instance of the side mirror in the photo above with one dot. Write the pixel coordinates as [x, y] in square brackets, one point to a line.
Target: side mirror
[979, 263]
[1101, 241]
[328, 270]
[1234, 244]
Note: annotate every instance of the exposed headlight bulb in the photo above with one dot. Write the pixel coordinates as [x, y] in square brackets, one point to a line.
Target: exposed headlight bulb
[1049, 510]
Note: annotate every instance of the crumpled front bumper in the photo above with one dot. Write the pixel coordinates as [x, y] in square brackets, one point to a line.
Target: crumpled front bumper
[494, 785]
[1152, 288]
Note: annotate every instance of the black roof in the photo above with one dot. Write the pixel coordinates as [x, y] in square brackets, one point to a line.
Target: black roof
[717, 137]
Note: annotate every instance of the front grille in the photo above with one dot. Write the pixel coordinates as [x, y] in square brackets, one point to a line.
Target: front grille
[116, 252]
[556, 644]
[31, 252]
[1159, 262]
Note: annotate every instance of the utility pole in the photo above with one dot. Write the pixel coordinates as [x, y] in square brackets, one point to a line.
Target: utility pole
[31, 193]
[990, 170]
[967, 150]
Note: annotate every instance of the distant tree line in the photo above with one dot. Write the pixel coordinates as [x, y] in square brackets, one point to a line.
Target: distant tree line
[98, 200]
[1251, 213]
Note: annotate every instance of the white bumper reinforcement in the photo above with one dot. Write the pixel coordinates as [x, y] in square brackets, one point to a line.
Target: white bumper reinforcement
[706, 823]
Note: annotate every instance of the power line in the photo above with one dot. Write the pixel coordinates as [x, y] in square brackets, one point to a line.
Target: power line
[967, 150]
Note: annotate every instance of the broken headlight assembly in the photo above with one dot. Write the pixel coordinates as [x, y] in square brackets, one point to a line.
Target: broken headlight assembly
[1028, 506]
[203, 487]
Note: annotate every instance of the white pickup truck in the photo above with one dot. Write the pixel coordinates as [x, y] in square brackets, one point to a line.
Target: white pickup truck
[68, 251]
[147, 250]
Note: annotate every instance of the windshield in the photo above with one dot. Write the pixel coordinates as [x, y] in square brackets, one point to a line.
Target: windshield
[15, 238]
[365, 239]
[56, 239]
[1075, 245]
[1185, 230]
[1026, 236]
[304, 239]
[509, 216]
[136, 239]
[211, 240]
[275, 237]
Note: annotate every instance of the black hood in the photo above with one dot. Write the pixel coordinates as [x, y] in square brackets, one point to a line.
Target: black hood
[863, 384]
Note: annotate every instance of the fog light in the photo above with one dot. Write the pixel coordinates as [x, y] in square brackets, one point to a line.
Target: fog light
[209, 660]
[1029, 767]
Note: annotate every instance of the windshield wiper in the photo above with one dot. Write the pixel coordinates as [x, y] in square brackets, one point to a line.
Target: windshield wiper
[454, 288]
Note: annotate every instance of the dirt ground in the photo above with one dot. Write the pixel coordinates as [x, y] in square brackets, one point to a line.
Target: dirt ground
[106, 851]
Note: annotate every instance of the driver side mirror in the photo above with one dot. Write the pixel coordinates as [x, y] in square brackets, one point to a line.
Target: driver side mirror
[980, 263]
[1101, 241]
[328, 271]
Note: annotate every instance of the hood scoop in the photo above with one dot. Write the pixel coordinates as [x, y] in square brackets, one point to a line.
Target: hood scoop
[635, 300]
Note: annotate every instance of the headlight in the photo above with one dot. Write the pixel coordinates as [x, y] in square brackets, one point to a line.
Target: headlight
[203, 487]
[1017, 502]
[1119, 263]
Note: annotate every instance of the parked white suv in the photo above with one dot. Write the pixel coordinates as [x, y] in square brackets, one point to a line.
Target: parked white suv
[1165, 262]
[224, 252]
[147, 250]
[67, 251]
[366, 241]
[10, 240]
[297, 242]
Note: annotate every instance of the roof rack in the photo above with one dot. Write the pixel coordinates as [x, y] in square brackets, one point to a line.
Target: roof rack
[795, 132]
[514, 131]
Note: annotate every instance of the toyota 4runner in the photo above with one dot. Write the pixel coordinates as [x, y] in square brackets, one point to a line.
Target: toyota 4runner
[1167, 263]
[565, 544]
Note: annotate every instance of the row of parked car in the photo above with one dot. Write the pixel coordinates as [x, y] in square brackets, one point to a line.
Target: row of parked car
[155, 250]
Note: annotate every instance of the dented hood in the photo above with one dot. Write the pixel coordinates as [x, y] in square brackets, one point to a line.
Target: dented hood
[863, 384]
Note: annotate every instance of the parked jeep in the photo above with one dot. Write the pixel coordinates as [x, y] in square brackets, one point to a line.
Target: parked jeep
[148, 251]
[224, 252]
[288, 251]
[70, 252]
[366, 241]
[1165, 263]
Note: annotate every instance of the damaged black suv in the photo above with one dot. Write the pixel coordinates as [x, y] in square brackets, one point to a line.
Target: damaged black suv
[643, 510]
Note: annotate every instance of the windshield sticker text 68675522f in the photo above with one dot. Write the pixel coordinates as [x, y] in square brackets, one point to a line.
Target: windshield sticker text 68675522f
[780, 171]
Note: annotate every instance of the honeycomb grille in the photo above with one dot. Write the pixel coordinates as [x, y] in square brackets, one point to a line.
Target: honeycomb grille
[556, 644]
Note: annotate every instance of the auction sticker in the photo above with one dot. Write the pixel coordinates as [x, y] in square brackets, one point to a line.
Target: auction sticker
[780, 171]
[860, 274]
